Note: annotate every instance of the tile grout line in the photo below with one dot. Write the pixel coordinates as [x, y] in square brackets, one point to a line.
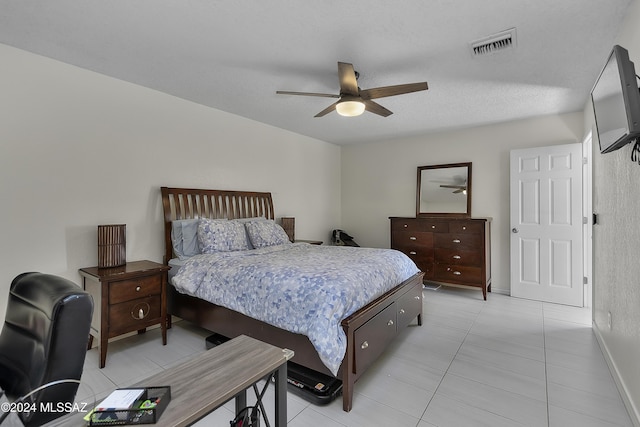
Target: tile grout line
[450, 363]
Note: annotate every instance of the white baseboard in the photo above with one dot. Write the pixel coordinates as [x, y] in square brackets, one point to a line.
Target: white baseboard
[632, 409]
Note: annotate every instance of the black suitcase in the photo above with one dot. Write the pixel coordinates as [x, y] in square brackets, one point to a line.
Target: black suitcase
[310, 385]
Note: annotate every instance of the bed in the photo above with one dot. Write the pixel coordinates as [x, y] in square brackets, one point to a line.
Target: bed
[368, 328]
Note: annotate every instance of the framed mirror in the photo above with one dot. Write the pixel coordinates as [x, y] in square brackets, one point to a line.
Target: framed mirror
[444, 190]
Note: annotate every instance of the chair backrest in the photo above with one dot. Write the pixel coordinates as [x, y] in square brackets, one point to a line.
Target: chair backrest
[44, 339]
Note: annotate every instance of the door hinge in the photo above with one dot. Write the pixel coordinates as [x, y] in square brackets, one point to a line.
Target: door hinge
[585, 161]
[585, 220]
[585, 280]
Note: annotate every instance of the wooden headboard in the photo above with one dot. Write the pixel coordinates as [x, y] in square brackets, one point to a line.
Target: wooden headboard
[187, 203]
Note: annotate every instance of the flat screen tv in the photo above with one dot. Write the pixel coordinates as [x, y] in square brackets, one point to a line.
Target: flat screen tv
[616, 102]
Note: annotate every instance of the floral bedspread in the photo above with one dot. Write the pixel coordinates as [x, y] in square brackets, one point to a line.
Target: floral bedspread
[305, 289]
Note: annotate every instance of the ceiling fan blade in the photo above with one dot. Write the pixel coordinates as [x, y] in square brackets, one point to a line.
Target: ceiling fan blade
[327, 110]
[459, 187]
[381, 92]
[348, 80]
[375, 108]
[324, 95]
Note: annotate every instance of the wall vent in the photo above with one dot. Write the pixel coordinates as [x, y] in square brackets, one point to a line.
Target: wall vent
[504, 40]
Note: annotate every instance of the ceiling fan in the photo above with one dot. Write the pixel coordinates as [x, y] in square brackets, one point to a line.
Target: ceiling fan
[352, 101]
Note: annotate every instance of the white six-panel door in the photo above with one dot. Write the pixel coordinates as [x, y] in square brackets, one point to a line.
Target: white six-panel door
[546, 224]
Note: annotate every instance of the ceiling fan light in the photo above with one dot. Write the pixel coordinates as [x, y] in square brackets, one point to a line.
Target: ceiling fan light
[350, 108]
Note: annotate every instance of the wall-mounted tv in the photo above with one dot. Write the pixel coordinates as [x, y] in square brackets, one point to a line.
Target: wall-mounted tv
[616, 102]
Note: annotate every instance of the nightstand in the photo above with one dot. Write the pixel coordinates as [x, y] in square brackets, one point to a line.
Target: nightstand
[311, 242]
[128, 298]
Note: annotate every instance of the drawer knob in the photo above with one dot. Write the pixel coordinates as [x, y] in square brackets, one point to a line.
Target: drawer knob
[456, 240]
[456, 257]
[138, 288]
[413, 238]
[405, 225]
[390, 323]
[464, 228]
[364, 345]
[412, 253]
[457, 273]
[417, 297]
[401, 311]
[433, 226]
[140, 311]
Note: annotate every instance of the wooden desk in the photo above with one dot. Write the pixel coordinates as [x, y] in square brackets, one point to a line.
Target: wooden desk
[207, 381]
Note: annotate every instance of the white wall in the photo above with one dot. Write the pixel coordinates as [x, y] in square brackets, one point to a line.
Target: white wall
[78, 149]
[379, 180]
[616, 243]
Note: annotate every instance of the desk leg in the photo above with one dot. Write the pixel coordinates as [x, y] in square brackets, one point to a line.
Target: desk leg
[241, 401]
[281, 396]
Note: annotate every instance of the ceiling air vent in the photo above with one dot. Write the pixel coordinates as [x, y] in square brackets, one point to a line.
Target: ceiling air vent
[504, 40]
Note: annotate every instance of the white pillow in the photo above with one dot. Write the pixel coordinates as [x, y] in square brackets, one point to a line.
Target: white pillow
[266, 233]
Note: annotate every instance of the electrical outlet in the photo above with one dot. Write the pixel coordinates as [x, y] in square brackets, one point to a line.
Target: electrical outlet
[609, 320]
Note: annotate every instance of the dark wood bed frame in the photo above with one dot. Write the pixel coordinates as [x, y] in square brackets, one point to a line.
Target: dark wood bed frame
[369, 330]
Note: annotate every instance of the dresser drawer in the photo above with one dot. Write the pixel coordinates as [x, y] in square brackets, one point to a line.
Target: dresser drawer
[412, 224]
[458, 274]
[458, 257]
[371, 338]
[422, 258]
[409, 306]
[411, 240]
[463, 242]
[466, 227]
[133, 315]
[126, 290]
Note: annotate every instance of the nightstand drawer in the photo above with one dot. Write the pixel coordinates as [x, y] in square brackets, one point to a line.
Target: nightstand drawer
[126, 290]
[136, 314]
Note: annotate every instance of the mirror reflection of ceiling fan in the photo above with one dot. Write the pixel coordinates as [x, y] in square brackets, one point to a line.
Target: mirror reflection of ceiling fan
[458, 188]
[353, 101]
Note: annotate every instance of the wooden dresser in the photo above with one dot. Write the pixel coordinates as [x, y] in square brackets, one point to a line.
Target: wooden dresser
[447, 250]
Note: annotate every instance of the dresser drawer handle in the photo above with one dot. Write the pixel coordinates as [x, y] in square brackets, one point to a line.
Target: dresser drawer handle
[433, 226]
[464, 228]
[417, 297]
[364, 345]
[412, 253]
[138, 288]
[413, 238]
[456, 240]
[401, 311]
[390, 323]
[405, 225]
[456, 257]
[457, 273]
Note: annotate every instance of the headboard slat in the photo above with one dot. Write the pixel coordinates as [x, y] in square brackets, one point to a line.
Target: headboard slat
[184, 203]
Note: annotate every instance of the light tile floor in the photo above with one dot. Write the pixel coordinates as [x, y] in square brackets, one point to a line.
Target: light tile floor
[500, 362]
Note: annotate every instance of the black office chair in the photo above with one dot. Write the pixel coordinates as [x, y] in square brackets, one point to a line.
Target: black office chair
[43, 342]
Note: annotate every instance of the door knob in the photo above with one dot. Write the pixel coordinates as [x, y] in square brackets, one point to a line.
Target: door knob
[515, 230]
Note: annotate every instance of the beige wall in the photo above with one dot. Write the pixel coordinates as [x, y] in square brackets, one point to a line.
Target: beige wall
[379, 180]
[78, 149]
[616, 243]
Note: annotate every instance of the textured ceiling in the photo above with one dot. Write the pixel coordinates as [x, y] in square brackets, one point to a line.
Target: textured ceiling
[234, 55]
